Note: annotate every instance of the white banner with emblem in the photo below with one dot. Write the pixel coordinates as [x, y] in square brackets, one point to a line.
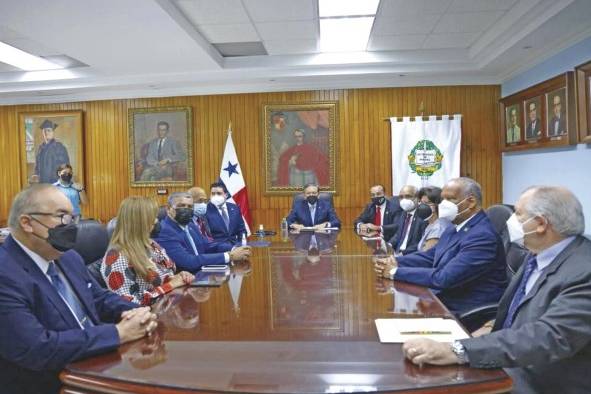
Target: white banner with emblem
[425, 152]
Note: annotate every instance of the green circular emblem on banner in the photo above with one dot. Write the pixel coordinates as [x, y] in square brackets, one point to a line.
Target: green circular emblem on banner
[425, 158]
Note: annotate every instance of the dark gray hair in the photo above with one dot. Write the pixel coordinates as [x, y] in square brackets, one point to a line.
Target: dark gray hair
[177, 196]
[27, 200]
[559, 206]
[469, 188]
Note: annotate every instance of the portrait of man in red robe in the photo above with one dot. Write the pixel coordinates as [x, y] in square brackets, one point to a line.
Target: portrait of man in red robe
[302, 163]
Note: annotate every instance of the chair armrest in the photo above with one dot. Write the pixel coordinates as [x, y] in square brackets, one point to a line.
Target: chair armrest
[475, 318]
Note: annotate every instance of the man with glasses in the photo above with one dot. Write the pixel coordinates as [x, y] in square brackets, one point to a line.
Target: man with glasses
[53, 312]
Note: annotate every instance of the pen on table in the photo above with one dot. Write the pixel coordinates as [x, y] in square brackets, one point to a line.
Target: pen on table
[425, 332]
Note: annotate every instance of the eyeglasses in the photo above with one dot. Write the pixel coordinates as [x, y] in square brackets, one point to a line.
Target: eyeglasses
[65, 218]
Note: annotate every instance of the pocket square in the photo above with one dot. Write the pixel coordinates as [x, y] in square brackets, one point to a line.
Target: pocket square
[89, 285]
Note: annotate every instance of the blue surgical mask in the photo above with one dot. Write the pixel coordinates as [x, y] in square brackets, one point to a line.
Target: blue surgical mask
[200, 208]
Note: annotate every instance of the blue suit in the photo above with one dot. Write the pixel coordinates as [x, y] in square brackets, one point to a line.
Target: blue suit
[466, 268]
[174, 240]
[218, 229]
[39, 333]
[300, 213]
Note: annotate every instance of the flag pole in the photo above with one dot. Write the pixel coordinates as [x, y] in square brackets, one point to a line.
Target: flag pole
[230, 127]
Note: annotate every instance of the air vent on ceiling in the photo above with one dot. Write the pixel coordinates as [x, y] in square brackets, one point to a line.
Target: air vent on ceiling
[234, 49]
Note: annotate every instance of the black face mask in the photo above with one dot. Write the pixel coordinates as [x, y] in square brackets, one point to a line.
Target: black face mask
[423, 211]
[155, 230]
[312, 199]
[378, 200]
[62, 238]
[66, 177]
[183, 216]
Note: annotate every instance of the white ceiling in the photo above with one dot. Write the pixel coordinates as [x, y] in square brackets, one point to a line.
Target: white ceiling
[144, 48]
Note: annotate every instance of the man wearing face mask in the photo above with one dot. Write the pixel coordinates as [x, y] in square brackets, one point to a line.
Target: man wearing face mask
[74, 191]
[541, 334]
[183, 241]
[466, 268]
[410, 227]
[312, 212]
[224, 218]
[380, 216]
[200, 201]
[53, 311]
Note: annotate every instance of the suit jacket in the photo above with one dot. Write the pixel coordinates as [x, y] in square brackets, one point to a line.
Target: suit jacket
[416, 230]
[39, 333]
[552, 125]
[466, 269]
[171, 150]
[218, 229]
[548, 347]
[390, 222]
[300, 213]
[532, 132]
[323, 242]
[178, 247]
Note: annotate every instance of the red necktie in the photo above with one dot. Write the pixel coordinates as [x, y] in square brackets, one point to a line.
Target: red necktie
[203, 229]
[377, 220]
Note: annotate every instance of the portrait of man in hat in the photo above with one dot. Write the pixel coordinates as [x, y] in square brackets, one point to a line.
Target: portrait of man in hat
[50, 155]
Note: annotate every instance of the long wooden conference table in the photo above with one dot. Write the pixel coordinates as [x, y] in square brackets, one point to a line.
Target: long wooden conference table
[298, 318]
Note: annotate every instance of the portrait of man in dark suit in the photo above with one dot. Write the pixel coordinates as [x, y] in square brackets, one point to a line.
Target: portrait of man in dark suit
[534, 125]
[557, 105]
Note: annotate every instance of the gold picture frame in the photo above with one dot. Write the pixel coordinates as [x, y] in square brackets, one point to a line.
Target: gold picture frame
[49, 139]
[160, 146]
[300, 146]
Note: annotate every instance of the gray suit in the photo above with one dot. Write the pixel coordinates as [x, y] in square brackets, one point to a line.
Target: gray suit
[548, 347]
[169, 150]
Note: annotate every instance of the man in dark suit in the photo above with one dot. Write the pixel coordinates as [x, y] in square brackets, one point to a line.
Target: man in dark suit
[183, 241]
[312, 212]
[557, 125]
[541, 335]
[163, 153]
[380, 216]
[53, 311]
[314, 242]
[224, 218]
[409, 226]
[466, 269]
[532, 130]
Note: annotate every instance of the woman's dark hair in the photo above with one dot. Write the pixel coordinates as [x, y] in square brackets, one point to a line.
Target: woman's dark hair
[63, 167]
[433, 193]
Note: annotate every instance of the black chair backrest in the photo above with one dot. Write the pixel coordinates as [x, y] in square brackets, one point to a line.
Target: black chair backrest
[321, 196]
[515, 255]
[162, 212]
[498, 216]
[92, 241]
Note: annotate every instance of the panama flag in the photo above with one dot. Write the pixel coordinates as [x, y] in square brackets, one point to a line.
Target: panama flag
[231, 176]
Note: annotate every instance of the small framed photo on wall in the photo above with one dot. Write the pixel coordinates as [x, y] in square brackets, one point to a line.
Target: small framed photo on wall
[513, 124]
[533, 112]
[557, 122]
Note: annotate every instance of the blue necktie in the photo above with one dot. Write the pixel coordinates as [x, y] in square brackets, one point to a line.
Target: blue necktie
[68, 296]
[225, 218]
[520, 292]
[191, 240]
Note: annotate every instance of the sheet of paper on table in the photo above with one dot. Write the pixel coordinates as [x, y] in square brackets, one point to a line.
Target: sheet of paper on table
[437, 329]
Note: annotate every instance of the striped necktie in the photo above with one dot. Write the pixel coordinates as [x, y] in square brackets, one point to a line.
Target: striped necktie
[68, 296]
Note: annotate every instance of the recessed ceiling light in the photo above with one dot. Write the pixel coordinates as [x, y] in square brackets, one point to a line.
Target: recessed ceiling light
[331, 8]
[345, 34]
[23, 60]
[527, 47]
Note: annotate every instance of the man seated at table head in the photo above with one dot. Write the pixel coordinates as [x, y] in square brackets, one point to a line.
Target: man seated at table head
[312, 212]
[542, 334]
[466, 268]
[380, 216]
[410, 227]
[224, 218]
[53, 311]
[183, 241]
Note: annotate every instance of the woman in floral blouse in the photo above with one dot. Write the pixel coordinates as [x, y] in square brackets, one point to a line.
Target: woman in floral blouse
[135, 266]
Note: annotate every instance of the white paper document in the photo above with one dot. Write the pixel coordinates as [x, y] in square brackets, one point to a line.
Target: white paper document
[401, 330]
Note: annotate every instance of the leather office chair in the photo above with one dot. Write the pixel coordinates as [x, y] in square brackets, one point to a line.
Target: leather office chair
[92, 242]
[321, 196]
[514, 254]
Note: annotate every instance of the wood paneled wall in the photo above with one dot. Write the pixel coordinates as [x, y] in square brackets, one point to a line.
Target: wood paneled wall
[363, 145]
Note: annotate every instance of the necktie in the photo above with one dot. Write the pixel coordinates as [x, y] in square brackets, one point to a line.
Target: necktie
[377, 220]
[225, 217]
[556, 126]
[160, 149]
[191, 240]
[313, 212]
[204, 232]
[520, 292]
[68, 296]
[405, 228]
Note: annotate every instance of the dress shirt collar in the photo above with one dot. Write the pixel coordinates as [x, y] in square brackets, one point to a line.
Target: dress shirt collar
[547, 256]
[224, 205]
[313, 206]
[39, 261]
[459, 226]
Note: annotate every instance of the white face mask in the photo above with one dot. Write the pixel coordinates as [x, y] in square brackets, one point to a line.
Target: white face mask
[200, 208]
[515, 228]
[217, 200]
[407, 204]
[448, 210]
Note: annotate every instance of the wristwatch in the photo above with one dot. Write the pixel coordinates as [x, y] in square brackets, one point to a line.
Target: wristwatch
[460, 352]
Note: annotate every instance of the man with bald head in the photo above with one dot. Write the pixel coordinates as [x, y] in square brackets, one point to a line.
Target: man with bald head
[541, 335]
[200, 201]
[466, 269]
[53, 312]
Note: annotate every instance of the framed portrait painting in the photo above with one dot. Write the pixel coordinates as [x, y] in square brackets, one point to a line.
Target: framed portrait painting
[160, 146]
[556, 104]
[300, 146]
[513, 124]
[48, 140]
[534, 127]
[583, 73]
